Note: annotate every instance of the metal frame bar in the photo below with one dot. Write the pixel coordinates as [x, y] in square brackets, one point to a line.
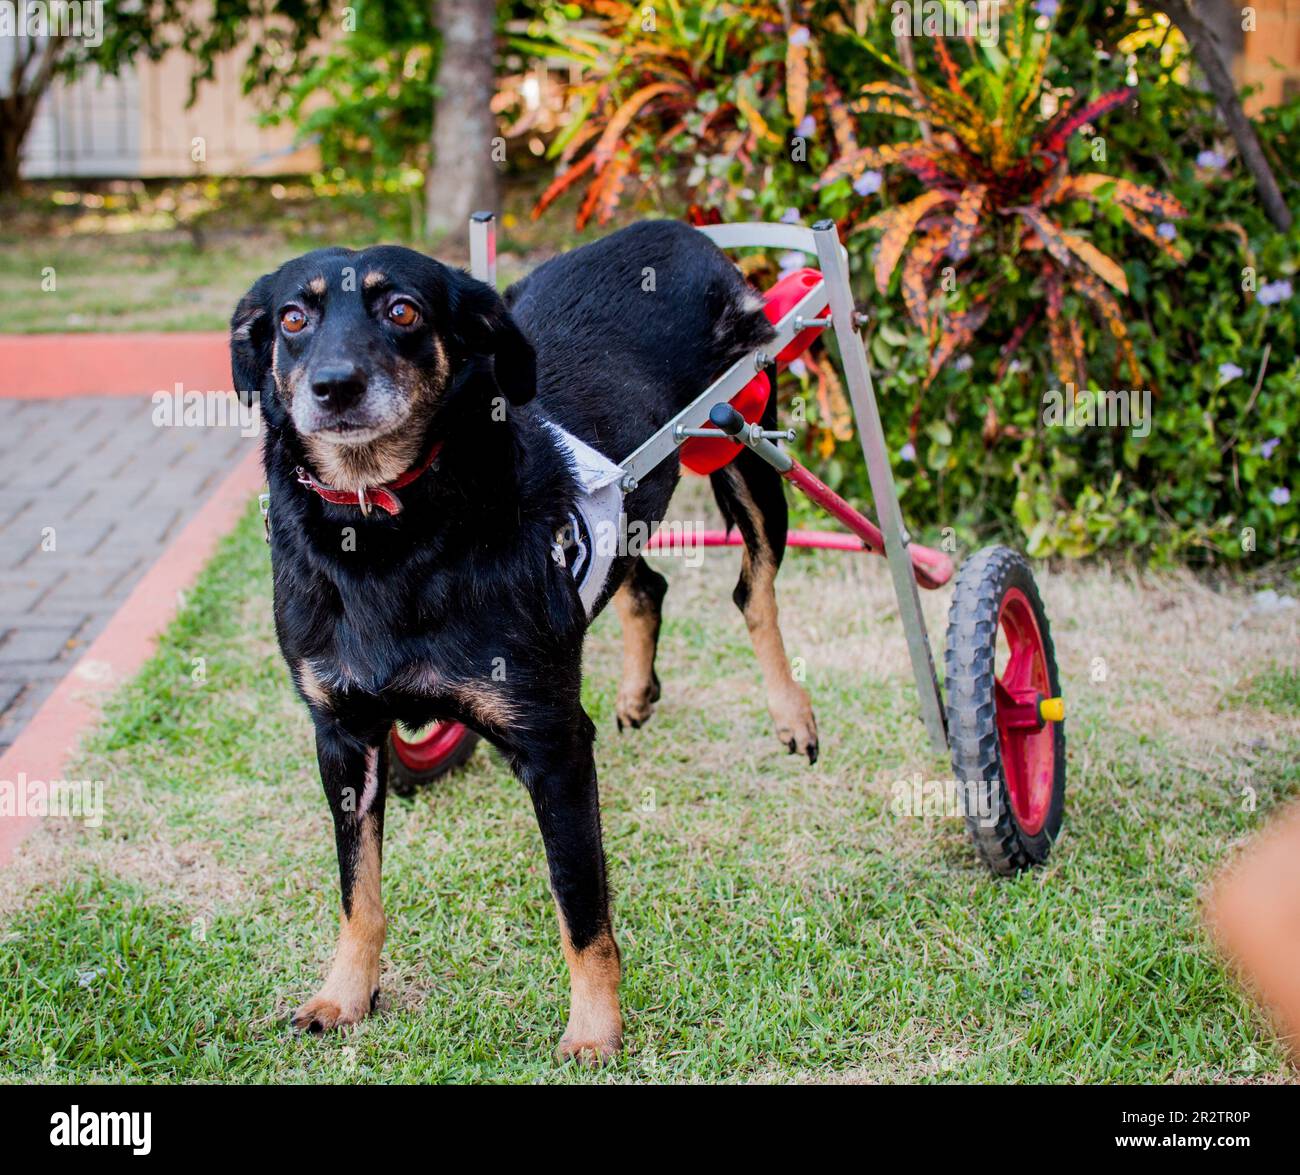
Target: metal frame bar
[853, 360]
[483, 247]
[661, 444]
[758, 234]
[835, 291]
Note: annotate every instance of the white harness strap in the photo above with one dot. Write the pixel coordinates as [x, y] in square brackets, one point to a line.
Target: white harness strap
[594, 535]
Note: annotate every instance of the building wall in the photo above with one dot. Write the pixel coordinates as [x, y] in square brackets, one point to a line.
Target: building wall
[1274, 42]
[138, 125]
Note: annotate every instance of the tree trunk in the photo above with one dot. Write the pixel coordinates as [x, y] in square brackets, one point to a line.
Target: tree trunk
[463, 175]
[12, 132]
[1211, 60]
[26, 87]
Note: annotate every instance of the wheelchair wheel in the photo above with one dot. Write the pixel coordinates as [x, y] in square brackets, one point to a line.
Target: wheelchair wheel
[420, 757]
[1005, 711]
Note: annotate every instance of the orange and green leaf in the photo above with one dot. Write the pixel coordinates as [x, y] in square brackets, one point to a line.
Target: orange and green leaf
[749, 108]
[561, 184]
[623, 117]
[918, 267]
[1113, 317]
[898, 224]
[1065, 248]
[1144, 228]
[958, 334]
[965, 221]
[796, 76]
[1139, 197]
[846, 140]
[856, 162]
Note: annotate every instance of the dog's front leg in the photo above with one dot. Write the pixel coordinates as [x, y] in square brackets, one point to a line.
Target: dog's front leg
[559, 770]
[352, 772]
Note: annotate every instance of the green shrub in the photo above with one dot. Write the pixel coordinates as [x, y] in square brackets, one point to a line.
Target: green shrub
[741, 110]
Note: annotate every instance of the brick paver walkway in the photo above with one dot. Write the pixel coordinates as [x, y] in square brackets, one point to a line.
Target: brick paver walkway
[91, 492]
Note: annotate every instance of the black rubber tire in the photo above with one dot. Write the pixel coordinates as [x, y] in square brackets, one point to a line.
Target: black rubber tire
[969, 657]
[403, 780]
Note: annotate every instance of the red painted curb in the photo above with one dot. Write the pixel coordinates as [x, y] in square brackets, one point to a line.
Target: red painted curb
[46, 745]
[46, 367]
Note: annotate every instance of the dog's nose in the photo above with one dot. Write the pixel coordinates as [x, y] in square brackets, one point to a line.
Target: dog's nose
[338, 385]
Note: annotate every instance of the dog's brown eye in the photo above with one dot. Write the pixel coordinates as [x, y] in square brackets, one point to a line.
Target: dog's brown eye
[293, 320]
[403, 314]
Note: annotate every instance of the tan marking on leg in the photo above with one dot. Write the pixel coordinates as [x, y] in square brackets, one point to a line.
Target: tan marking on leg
[595, 1029]
[636, 616]
[787, 700]
[353, 980]
[311, 685]
[489, 705]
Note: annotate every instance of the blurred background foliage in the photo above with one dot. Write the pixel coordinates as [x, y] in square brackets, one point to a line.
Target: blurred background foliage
[707, 108]
[990, 270]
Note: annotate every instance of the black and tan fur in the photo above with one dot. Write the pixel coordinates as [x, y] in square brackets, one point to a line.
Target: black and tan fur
[415, 619]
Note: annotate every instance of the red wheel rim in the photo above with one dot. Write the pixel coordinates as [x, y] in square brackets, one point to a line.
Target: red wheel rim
[1027, 743]
[432, 748]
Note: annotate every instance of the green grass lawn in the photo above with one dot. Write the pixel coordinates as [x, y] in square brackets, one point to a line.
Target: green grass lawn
[778, 922]
[179, 256]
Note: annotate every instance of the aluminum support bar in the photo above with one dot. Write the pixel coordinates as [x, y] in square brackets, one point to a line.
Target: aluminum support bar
[853, 359]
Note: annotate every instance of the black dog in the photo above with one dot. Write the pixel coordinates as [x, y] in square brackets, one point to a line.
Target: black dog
[418, 490]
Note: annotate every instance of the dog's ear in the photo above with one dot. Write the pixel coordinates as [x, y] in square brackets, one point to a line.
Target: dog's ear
[252, 341]
[484, 327]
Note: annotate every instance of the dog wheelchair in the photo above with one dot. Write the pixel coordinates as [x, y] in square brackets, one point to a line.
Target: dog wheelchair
[1003, 722]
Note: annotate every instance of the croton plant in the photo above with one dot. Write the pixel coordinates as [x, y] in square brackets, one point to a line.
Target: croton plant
[736, 84]
[993, 170]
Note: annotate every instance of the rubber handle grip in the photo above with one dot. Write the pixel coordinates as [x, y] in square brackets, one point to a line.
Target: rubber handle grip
[725, 417]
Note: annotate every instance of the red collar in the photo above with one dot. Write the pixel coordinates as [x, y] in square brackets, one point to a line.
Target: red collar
[382, 496]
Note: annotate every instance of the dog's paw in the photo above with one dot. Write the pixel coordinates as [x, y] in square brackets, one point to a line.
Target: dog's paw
[795, 725]
[635, 703]
[325, 1011]
[585, 1050]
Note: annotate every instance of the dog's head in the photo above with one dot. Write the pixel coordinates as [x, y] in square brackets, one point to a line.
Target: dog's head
[358, 347]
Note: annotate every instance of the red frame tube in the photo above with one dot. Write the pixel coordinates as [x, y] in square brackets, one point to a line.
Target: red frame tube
[932, 568]
[824, 540]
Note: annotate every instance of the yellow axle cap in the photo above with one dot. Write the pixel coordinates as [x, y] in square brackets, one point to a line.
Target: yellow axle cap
[1052, 709]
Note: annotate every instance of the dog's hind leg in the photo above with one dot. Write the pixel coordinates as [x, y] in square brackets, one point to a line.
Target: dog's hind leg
[353, 774]
[751, 497]
[639, 603]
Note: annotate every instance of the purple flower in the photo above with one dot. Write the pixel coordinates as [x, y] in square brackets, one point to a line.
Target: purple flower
[1275, 292]
[908, 452]
[1046, 8]
[791, 260]
[790, 216]
[799, 35]
[1212, 160]
[1229, 371]
[868, 183]
[798, 368]
[963, 363]
[1267, 449]
[1166, 230]
[807, 128]
[1279, 495]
